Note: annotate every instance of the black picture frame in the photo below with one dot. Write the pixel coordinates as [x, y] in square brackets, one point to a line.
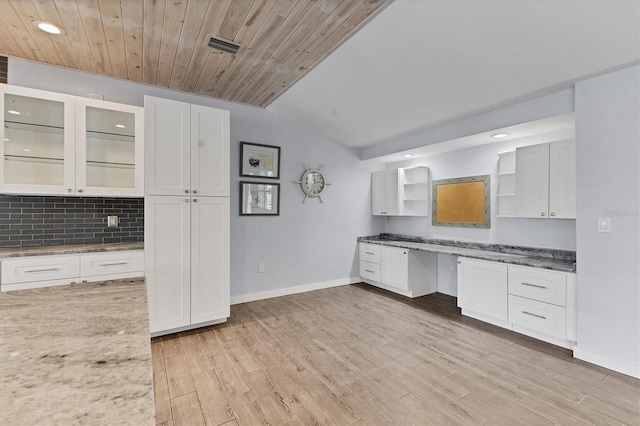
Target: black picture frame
[259, 199]
[259, 160]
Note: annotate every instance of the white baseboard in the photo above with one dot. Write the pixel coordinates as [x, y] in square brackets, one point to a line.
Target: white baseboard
[292, 290]
[623, 367]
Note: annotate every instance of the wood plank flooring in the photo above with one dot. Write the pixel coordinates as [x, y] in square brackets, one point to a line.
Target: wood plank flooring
[358, 355]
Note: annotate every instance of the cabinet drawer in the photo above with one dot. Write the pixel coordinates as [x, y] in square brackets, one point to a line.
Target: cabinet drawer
[40, 268]
[369, 252]
[537, 284]
[370, 271]
[111, 263]
[538, 316]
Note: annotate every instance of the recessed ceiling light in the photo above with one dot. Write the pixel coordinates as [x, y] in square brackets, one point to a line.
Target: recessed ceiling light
[48, 27]
[26, 150]
[14, 112]
[6, 139]
[408, 155]
[500, 135]
[120, 126]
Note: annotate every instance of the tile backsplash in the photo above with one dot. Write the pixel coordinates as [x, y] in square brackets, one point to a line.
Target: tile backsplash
[35, 221]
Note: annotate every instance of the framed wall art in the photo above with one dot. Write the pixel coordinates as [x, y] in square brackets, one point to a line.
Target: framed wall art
[257, 160]
[259, 199]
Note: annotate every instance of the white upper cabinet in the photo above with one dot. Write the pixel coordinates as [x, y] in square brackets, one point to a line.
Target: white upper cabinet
[110, 158]
[400, 192]
[562, 180]
[384, 193]
[168, 152]
[532, 181]
[55, 144]
[210, 157]
[187, 152]
[38, 142]
[545, 180]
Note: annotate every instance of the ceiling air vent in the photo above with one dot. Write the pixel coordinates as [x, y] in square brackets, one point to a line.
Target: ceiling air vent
[222, 44]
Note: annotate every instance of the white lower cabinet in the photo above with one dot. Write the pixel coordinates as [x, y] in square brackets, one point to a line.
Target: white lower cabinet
[537, 316]
[394, 269]
[411, 273]
[482, 290]
[22, 273]
[537, 302]
[187, 261]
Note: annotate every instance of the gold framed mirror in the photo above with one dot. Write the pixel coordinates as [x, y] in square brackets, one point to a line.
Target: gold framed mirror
[462, 202]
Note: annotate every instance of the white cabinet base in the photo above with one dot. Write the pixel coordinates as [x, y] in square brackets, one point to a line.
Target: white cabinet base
[50, 270]
[411, 273]
[530, 301]
[186, 328]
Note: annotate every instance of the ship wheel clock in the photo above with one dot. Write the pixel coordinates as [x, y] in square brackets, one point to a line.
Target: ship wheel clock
[313, 183]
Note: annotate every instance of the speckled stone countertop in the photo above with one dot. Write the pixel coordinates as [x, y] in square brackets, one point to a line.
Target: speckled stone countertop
[557, 260]
[76, 355]
[68, 249]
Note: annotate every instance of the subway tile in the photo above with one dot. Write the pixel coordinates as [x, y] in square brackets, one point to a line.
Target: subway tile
[68, 220]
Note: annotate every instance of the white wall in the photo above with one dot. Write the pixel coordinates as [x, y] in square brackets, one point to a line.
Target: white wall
[483, 160]
[608, 277]
[308, 243]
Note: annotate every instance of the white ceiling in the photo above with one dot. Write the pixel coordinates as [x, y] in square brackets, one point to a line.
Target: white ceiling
[419, 63]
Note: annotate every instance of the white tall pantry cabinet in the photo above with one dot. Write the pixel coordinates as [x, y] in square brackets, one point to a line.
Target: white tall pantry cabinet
[186, 215]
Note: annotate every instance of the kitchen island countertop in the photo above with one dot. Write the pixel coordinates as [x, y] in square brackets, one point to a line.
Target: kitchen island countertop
[76, 354]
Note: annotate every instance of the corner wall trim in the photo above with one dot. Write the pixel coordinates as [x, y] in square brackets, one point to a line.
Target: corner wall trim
[623, 367]
[292, 290]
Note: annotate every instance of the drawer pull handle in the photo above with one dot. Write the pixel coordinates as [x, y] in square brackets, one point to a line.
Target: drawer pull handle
[534, 285]
[534, 315]
[114, 264]
[44, 270]
[368, 252]
[369, 271]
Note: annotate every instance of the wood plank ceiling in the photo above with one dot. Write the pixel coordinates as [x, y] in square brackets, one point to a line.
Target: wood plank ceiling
[162, 42]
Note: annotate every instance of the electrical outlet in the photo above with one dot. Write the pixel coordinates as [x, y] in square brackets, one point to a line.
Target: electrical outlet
[112, 221]
[261, 267]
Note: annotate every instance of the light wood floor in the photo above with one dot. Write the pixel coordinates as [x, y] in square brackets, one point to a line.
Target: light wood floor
[359, 355]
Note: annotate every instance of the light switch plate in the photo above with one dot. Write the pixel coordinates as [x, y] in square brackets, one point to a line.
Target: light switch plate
[604, 224]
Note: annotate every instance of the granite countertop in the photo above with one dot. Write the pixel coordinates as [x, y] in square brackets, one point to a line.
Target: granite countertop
[76, 354]
[68, 249]
[552, 259]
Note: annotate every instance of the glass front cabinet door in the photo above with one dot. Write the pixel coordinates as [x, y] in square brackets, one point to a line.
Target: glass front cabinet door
[38, 142]
[109, 148]
[55, 144]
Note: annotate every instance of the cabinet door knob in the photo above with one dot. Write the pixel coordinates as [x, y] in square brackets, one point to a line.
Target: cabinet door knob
[195, 200]
[69, 190]
[186, 191]
[79, 189]
[543, 214]
[552, 214]
[195, 191]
